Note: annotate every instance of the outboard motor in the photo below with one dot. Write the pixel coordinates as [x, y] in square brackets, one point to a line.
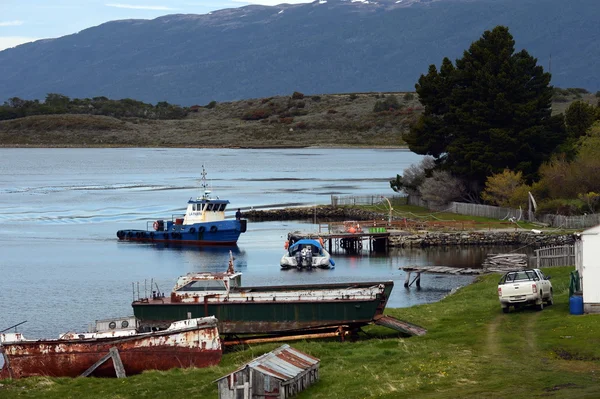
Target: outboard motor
[308, 257]
[299, 259]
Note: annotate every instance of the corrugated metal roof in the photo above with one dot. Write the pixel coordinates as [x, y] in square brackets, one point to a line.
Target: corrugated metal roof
[283, 363]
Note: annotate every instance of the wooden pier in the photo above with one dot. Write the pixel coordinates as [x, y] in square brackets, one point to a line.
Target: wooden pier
[494, 263]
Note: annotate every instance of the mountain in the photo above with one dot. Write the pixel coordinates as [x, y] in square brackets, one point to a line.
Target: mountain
[332, 46]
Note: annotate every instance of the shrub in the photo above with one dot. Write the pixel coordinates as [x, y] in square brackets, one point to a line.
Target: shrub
[388, 104]
[297, 95]
[332, 111]
[286, 120]
[300, 104]
[301, 125]
[561, 207]
[409, 96]
[353, 96]
[318, 98]
[257, 114]
[211, 104]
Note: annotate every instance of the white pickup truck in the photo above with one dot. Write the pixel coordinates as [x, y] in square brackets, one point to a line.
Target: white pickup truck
[526, 287]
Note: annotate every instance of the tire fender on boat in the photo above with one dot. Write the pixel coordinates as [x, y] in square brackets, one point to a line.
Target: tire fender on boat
[213, 229]
[192, 230]
[155, 225]
[201, 229]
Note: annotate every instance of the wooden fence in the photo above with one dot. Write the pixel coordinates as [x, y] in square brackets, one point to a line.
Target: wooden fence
[563, 255]
[571, 222]
[494, 212]
[338, 200]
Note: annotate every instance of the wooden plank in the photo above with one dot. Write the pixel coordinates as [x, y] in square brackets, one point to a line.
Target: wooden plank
[117, 363]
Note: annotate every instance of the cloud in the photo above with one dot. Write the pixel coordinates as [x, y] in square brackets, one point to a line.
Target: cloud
[11, 23]
[272, 2]
[12, 41]
[136, 7]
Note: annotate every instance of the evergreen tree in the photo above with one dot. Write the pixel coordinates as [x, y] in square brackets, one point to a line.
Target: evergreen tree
[490, 111]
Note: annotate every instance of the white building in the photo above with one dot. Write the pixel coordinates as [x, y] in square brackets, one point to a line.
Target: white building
[587, 262]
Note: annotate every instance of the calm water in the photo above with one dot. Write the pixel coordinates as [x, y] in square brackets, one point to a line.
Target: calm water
[62, 266]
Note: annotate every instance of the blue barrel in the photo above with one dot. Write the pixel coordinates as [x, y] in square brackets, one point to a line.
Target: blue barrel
[576, 303]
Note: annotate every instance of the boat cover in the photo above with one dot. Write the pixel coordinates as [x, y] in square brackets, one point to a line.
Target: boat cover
[307, 242]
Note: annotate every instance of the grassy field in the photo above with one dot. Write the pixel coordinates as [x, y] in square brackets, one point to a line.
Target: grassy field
[472, 350]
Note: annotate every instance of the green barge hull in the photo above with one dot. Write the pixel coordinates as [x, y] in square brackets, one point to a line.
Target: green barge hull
[270, 310]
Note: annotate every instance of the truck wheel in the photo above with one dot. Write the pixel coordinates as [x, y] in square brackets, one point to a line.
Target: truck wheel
[540, 306]
[506, 309]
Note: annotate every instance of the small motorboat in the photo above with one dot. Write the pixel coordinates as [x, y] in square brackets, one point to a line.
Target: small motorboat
[306, 254]
[185, 343]
[203, 224]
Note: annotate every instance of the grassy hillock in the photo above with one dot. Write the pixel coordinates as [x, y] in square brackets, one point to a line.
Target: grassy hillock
[471, 350]
[330, 120]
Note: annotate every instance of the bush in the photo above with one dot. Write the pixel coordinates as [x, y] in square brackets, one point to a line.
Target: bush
[211, 104]
[318, 98]
[286, 120]
[332, 111]
[301, 125]
[297, 96]
[353, 96]
[388, 104]
[409, 96]
[561, 207]
[257, 114]
[300, 104]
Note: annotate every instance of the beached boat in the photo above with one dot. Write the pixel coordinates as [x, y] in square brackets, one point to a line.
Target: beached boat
[267, 309]
[306, 254]
[203, 223]
[185, 343]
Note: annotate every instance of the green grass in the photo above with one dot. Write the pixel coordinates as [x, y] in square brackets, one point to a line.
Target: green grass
[472, 350]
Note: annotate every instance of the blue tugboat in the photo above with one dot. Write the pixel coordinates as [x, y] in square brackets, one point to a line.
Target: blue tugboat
[203, 224]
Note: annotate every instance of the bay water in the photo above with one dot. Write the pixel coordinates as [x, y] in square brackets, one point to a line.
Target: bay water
[62, 266]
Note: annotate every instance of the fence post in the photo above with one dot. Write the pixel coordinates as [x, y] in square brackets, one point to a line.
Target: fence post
[537, 258]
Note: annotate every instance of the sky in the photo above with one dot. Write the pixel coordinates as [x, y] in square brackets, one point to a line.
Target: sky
[23, 21]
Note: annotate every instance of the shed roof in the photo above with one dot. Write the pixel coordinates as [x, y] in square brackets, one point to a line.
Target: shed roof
[283, 363]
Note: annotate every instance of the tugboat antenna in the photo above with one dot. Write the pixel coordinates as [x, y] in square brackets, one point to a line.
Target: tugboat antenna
[203, 185]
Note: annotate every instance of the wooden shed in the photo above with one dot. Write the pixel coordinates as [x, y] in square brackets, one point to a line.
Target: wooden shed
[587, 253]
[278, 374]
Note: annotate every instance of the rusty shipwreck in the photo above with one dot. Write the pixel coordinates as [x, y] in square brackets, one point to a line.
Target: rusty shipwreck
[185, 343]
[268, 310]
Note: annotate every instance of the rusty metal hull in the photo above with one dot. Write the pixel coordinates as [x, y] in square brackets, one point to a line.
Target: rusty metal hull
[199, 347]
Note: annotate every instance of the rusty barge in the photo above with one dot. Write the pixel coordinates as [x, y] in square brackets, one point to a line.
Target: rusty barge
[185, 343]
[270, 310]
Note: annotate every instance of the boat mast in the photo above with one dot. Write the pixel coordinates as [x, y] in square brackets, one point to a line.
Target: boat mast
[204, 185]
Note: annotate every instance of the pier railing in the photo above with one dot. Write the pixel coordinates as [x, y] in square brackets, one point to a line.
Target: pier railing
[563, 255]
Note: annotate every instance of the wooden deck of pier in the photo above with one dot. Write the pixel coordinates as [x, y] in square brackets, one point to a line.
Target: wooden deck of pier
[494, 263]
